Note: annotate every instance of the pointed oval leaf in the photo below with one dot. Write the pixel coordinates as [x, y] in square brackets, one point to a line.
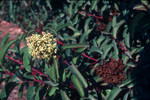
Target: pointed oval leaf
[53, 73]
[115, 47]
[52, 91]
[64, 95]
[50, 83]
[95, 49]
[4, 50]
[4, 40]
[62, 26]
[106, 50]
[26, 61]
[78, 85]
[30, 93]
[114, 93]
[94, 2]
[56, 68]
[71, 46]
[76, 72]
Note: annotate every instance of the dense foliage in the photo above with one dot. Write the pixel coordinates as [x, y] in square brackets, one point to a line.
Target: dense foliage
[103, 49]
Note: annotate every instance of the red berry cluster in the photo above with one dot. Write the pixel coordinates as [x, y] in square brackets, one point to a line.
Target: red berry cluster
[112, 71]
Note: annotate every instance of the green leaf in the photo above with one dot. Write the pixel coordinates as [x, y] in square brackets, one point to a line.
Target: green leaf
[114, 93]
[70, 10]
[95, 49]
[48, 4]
[116, 6]
[86, 26]
[81, 49]
[126, 82]
[56, 68]
[20, 90]
[127, 38]
[28, 76]
[76, 34]
[64, 76]
[108, 28]
[115, 46]
[23, 50]
[76, 19]
[71, 46]
[72, 28]
[76, 72]
[11, 10]
[114, 21]
[106, 93]
[75, 59]
[30, 93]
[64, 95]
[106, 50]
[125, 97]
[90, 97]
[26, 61]
[140, 7]
[145, 2]
[4, 40]
[47, 69]
[62, 26]
[94, 2]
[52, 91]
[78, 85]
[7, 90]
[75, 10]
[100, 39]
[50, 83]
[116, 27]
[66, 37]
[4, 50]
[97, 79]
[37, 96]
[83, 37]
[120, 23]
[53, 73]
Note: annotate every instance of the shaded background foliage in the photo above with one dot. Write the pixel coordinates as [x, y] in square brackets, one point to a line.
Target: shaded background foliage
[89, 34]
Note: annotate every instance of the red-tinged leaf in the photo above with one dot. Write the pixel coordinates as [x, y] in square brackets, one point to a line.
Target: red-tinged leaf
[140, 7]
[56, 68]
[76, 72]
[64, 95]
[78, 85]
[71, 46]
[145, 2]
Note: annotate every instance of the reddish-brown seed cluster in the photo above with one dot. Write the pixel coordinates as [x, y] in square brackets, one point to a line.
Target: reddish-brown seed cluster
[112, 71]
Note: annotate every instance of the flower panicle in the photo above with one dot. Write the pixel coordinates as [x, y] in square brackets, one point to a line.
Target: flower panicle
[42, 46]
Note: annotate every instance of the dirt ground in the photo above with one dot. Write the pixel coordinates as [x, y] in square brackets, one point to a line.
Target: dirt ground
[14, 30]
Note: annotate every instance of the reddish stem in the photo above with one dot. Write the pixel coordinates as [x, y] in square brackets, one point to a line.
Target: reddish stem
[123, 47]
[65, 61]
[59, 42]
[21, 63]
[38, 72]
[90, 15]
[14, 60]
